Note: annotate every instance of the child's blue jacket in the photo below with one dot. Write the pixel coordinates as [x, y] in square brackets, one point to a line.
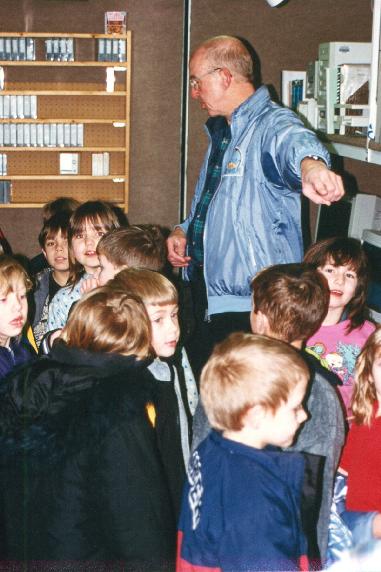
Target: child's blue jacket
[241, 509]
[17, 354]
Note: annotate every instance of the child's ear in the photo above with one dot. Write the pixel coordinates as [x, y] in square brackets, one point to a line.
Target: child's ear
[260, 323]
[43, 252]
[254, 416]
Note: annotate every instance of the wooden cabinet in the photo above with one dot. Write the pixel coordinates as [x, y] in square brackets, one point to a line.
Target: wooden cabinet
[66, 95]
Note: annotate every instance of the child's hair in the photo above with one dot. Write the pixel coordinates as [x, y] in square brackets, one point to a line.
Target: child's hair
[11, 273]
[151, 287]
[138, 246]
[246, 370]
[364, 392]
[343, 251]
[60, 204]
[53, 225]
[109, 320]
[5, 247]
[293, 297]
[100, 214]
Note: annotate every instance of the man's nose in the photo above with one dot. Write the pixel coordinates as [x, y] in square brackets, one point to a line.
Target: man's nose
[195, 92]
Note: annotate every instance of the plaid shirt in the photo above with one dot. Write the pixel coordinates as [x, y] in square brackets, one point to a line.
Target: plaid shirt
[220, 141]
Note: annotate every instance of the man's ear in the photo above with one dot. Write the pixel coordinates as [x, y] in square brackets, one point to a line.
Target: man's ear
[226, 76]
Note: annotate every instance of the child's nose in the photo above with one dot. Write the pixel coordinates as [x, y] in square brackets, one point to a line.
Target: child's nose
[302, 415]
[339, 278]
[17, 303]
[89, 239]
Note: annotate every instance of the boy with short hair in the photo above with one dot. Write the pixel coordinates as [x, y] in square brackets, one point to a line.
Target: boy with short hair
[138, 246]
[54, 246]
[241, 505]
[290, 302]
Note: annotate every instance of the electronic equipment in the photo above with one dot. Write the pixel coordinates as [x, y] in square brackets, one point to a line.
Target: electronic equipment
[372, 247]
[349, 217]
[328, 81]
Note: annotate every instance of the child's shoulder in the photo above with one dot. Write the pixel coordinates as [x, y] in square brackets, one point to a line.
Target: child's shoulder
[230, 454]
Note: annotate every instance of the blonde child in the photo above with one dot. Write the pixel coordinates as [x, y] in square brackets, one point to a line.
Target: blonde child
[84, 480]
[345, 328]
[176, 391]
[241, 504]
[14, 285]
[88, 224]
[360, 464]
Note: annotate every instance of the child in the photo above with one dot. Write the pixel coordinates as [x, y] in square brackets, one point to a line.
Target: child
[241, 505]
[58, 205]
[53, 242]
[85, 482]
[87, 225]
[138, 246]
[344, 331]
[177, 391]
[290, 302]
[361, 458]
[5, 247]
[14, 285]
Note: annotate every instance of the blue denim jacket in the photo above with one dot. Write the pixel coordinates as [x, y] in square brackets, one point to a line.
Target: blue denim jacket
[253, 220]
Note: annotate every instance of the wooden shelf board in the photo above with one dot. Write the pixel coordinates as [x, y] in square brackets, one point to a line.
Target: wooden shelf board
[63, 92]
[61, 35]
[62, 178]
[63, 149]
[60, 120]
[33, 205]
[49, 63]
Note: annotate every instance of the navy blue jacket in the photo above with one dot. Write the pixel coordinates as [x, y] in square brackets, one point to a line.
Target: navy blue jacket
[17, 354]
[241, 508]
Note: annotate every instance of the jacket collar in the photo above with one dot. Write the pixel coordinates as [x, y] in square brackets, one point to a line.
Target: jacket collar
[253, 106]
[101, 364]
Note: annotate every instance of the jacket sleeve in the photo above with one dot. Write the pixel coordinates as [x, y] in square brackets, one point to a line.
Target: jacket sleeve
[133, 503]
[286, 143]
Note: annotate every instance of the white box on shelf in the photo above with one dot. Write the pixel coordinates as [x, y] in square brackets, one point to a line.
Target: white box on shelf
[69, 163]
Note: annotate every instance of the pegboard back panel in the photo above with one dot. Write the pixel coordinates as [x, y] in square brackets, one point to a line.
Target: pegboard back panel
[42, 192]
[81, 107]
[48, 163]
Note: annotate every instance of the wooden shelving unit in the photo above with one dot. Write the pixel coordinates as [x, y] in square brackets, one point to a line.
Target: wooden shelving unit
[70, 92]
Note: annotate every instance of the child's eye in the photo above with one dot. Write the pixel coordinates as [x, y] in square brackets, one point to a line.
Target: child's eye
[101, 233]
[50, 243]
[157, 320]
[351, 275]
[79, 235]
[174, 314]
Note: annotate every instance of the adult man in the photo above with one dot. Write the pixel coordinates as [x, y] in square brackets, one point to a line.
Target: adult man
[245, 213]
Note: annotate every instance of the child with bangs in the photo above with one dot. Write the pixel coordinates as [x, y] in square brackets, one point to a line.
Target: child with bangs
[345, 329]
[176, 395]
[90, 221]
[53, 242]
[14, 285]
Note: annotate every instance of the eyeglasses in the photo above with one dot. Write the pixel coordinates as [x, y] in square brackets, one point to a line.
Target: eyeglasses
[194, 82]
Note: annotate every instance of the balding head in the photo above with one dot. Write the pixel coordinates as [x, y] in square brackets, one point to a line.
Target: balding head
[228, 52]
